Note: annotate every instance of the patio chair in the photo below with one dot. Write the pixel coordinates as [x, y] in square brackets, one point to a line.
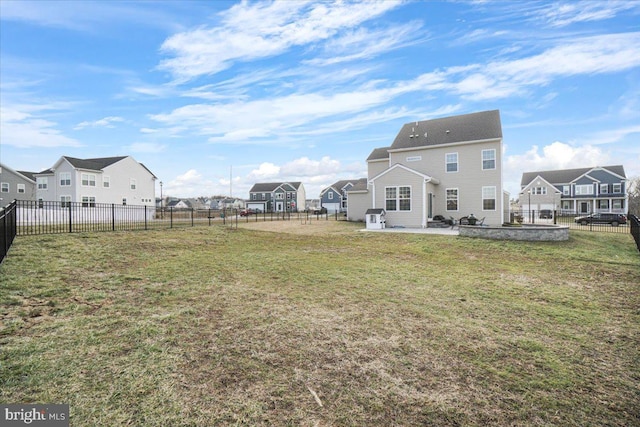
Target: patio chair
[464, 220]
[481, 221]
[453, 221]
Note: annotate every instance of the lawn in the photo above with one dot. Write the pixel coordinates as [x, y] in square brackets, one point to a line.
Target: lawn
[319, 324]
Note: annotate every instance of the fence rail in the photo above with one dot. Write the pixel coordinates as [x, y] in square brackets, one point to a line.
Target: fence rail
[635, 229]
[599, 221]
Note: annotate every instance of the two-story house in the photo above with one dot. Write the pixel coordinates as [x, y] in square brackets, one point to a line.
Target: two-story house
[277, 197]
[119, 180]
[450, 167]
[334, 197]
[576, 191]
[16, 185]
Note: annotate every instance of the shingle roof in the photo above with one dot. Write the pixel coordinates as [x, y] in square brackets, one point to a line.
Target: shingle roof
[564, 176]
[30, 175]
[379, 154]
[359, 185]
[94, 164]
[466, 127]
[267, 187]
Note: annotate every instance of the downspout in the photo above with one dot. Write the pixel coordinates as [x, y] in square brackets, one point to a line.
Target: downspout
[424, 203]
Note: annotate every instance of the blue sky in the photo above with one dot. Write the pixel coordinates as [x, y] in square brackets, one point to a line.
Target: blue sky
[303, 91]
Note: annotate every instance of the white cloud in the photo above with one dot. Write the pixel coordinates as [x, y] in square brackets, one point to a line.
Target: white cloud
[562, 15]
[250, 31]
[21, 128]
[105, 122]
[265, 172]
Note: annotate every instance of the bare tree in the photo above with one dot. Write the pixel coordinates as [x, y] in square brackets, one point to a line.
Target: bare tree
[634, 196]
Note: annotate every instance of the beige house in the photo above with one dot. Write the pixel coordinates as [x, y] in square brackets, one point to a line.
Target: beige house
[449, 167]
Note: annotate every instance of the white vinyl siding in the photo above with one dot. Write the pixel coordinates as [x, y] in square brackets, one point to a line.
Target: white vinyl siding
[65, 179]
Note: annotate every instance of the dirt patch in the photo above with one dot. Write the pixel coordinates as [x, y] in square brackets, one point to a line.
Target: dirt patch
[308, 227]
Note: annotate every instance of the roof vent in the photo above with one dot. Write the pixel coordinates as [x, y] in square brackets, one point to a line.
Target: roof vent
[448, 131]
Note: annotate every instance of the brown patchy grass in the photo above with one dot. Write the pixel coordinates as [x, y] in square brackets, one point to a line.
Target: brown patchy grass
[317, 324]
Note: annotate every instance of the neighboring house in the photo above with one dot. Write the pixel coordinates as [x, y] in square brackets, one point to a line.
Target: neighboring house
[334, 197]
[119, 180]
[277, 197]
[576, 191]
[16, 185]
[179, 204]
[450, 167]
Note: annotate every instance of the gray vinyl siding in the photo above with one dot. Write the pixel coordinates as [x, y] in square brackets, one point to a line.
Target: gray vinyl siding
[469, 179]
[13, 179]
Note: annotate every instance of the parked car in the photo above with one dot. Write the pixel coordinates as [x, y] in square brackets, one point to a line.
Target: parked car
[317, 211]
[602, 218]
[247, 212]
[546, 214]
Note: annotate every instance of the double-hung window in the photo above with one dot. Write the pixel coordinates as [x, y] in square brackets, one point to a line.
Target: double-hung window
[488, 198]
[132, 184]
[4, 187]
[106, 182]
[584, 190]
[21, 188]
[43, 183]
[65, 201]
[452, 199]
[451, 160]
[488, 159]
[617, 188]
[88, 180]
[88, 201]
[604, 188]
[398, 198]
[65, 179]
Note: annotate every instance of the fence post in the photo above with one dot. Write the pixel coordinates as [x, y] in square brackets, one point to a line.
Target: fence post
[192, 217]
[70, 220]
[171, 217]
[145, 217]
[113, 217]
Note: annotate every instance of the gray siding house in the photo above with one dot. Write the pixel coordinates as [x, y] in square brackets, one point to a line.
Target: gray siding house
[334, 197]
[16, 185]
[450, 166]
[277, 197]
[576, 191]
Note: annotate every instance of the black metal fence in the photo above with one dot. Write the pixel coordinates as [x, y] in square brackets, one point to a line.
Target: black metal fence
[8, 228]
[635, 229]
[599, 221]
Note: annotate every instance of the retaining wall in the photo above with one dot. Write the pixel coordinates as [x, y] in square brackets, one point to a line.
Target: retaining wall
[531, 233]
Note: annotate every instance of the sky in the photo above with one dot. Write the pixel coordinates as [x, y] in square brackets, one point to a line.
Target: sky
[213, 97]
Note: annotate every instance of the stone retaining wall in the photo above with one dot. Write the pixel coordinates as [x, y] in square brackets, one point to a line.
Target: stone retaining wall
[532, 233]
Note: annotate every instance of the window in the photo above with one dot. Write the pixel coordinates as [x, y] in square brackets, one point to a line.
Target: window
[604, 188]
[617, 188]
[65, 179]
[451, 160]
[88, 201]
[288, 196]
[21, 189]
[488, 159]
[539, 190]
[566, 190]
[330, 195]
[372, 219]
[398, 198]
[88, 180]
[582, 190]
[452, 199]
[124, 201]
[279, 196]
[132, 184]
[106, 181]
[253, 196]
[264, 196]
[489, 198]
[617, 204]
[4, 187]
[43, 183]
[603, 204]
[65, 201]
[391, 198]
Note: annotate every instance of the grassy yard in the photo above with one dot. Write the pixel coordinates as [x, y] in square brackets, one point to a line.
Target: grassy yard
[321, 325]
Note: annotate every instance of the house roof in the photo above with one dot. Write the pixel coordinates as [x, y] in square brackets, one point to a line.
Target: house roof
[565, 176]
[267, 187]
[94, 164]
[447, 130]
[27, 175]
[30, 175]
[339, 185]
[359, 185]
[379, 154]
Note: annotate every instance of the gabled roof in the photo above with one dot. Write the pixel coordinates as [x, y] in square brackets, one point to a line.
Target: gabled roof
[536, 179]
[94, 164]
[405, 168]
[359, 185]
[381, 153]
[566, 176]
[339, 185]
[268, 187]
[480, 126]
[27, 175]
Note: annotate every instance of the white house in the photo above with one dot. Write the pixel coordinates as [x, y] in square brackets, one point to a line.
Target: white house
[119, 180]
[450, 167]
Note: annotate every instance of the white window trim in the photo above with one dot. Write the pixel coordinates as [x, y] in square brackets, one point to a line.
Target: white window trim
[617, 187]
[106, 182]
[446, 205]
[65, 176]
[495, 159]
[579, 188]
[133, 185]
[89, 180]
[90, 200]
[330, 195]
[446, 163]
[21, 188]
[398, 198]
[495, 198]
[42, 183]
[3, 186]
